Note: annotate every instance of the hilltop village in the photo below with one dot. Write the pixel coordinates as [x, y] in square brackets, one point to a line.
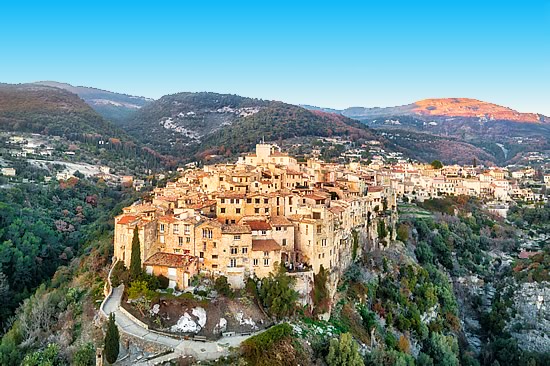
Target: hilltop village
[267, 209]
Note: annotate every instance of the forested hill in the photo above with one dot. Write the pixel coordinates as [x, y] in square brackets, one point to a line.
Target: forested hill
[193, 124]
[114, 107]
[50, 111]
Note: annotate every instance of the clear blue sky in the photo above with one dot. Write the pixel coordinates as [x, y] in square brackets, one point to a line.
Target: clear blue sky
[333, 54]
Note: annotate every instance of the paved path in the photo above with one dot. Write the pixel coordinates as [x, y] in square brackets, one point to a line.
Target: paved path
[199, 350]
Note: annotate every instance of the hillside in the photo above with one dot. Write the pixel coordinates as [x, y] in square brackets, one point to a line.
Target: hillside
[50, 111]
[112, 106]
[188, 124]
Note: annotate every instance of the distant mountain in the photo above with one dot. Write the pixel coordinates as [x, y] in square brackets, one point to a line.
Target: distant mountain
[112, 106]
[187, 124]
[448, 107]
[49, 110]
[501, 132]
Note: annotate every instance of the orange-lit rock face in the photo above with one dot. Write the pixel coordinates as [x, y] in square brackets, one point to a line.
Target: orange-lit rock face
[464, 107]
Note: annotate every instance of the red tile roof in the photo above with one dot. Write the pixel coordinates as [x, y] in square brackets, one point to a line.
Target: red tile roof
[127, 219]
[267, 245]
[258, 225]
[167, 260]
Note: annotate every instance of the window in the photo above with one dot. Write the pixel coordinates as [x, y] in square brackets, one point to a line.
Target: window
[207, 233]
[256, 210]
[249, 200]
[257, 200]
[233, 262]
[214, 245]
[244, 250]
[222, 210]
[176, 228]
[161, 228]
[255, 262]
[214, 256]
[188, 240]
[307, 229]
[186, 228]
[266, 210]
[214, 266]
[221, 179]
[266, 254]
[238, 210]
[236, 237]
[324, 242]
[223, 200]
[204, 246]
[266, 201]
[161, 238]
[319, 229]
[180, 240]
[264, 232]
[201, 255]
[284, 242]
[234, 250]
[266, 262]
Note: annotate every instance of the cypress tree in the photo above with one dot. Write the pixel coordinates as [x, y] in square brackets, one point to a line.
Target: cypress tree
[135, 260]
[112, 340]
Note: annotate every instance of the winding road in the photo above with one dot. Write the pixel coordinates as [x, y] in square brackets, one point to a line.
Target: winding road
[198, 350]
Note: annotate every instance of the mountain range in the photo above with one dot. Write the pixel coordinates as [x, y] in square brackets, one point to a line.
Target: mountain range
[189, 126]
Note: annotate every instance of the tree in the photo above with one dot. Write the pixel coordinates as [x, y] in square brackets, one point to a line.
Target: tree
[436, 164]
[321, 297]
[112, 340]
[222, 286]
[135, 261]
[344, 352]
[277, 294]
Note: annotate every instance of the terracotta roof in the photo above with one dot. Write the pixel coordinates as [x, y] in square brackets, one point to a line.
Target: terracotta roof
[127, 219]
[375, 189]
[168, 218]
[336, 210]
[279, 221]
[258, 225]
[167, 260]
[267, 245]
[236, 229]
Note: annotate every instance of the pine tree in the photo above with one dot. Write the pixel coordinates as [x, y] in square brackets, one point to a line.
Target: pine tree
[135, 261]
[344, 352]
[112, 340]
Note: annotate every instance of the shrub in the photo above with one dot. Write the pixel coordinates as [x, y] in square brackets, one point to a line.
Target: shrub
[222, 286]
[257, 347]
[344, 352]
[85, 355]
[164, 282]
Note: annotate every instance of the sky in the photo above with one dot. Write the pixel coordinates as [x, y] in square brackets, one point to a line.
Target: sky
[331, 54]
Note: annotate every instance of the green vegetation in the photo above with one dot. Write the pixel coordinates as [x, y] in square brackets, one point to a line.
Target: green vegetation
[135, 260]
[112, 340]
[436, 164]
[344, 352]
[277, 295]
[320, 293]
[43, 227]
[259, 349]
[48, 356]
[223, 287]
